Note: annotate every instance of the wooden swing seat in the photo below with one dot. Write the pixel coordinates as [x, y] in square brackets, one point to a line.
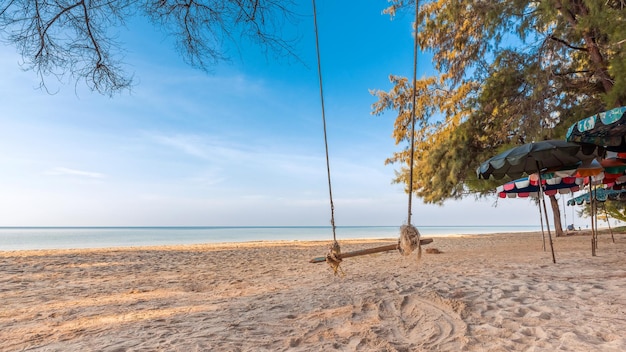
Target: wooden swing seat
[386, 248]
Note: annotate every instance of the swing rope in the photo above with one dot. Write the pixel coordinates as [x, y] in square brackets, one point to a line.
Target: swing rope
[409, 235]
[334, 254]
[415, 44]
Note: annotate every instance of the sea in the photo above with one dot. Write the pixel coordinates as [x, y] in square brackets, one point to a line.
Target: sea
[33, 238]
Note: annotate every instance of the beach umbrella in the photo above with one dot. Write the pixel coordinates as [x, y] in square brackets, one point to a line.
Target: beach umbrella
[533, 157]
[594, 172]
[600, 195]
[592, 197]
[525, 187]
[551, 173]
[613, 166]
[591, 168]
[606, 129]
[529, 187]
[613, 171]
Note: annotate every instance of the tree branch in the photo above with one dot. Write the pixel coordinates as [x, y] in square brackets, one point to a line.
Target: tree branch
[75, 38]
[559, 40]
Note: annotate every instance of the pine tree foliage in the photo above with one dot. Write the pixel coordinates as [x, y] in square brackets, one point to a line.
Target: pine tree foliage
[508, 72]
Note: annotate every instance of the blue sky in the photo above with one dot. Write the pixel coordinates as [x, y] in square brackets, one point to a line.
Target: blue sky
[242, 145]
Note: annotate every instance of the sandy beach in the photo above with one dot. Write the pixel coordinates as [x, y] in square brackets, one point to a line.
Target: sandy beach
[481, 293]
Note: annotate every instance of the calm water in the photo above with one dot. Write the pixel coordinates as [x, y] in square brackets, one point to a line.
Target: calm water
[20, 238]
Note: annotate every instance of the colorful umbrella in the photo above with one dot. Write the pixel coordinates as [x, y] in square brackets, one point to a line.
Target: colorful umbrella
[535, 157]
[590, 168]
[530, 187]
[601, 195]
[613, 166]
[606, 129]
[524, 187]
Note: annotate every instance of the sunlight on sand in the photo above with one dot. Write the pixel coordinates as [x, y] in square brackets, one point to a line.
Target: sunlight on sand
[478, 293]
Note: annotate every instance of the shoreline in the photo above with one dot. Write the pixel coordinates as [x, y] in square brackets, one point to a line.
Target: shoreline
[487, 292]
[296, 242]
[68, 238]
[247, 243]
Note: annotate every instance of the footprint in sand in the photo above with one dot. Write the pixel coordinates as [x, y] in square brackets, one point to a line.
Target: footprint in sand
[412, 322]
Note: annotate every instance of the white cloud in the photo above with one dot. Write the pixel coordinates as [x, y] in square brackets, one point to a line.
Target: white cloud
[203, 147]
[185, 143]
[63, 171]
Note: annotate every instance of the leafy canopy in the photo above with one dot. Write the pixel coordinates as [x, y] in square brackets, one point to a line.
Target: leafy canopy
[507, 72]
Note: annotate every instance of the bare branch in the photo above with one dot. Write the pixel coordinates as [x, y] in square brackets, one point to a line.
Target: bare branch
[75, 39]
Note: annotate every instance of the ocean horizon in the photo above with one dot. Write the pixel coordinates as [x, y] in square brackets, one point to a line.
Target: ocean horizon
[80, 237]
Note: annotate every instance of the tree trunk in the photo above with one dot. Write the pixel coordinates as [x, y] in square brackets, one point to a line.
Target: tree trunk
[556, 211]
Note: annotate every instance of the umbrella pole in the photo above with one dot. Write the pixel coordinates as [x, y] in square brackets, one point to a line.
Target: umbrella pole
[608, 222]
[543, 234]
[564, 212]
[573, 215]
[595, 219]
[545, 212]
[593, 231]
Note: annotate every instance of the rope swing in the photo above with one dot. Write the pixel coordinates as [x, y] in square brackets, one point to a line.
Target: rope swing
[409, 236]
[334, 252]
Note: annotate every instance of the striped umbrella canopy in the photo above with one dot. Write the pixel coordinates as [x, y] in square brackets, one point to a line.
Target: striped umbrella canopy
[601, 194]
[525, 187]
[606, 129]
[613, 166]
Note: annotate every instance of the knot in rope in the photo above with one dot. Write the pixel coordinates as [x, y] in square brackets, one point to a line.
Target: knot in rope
[409, 241]
[333, 258]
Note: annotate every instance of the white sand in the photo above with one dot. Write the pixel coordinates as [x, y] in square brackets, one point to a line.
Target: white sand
[483, 293]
